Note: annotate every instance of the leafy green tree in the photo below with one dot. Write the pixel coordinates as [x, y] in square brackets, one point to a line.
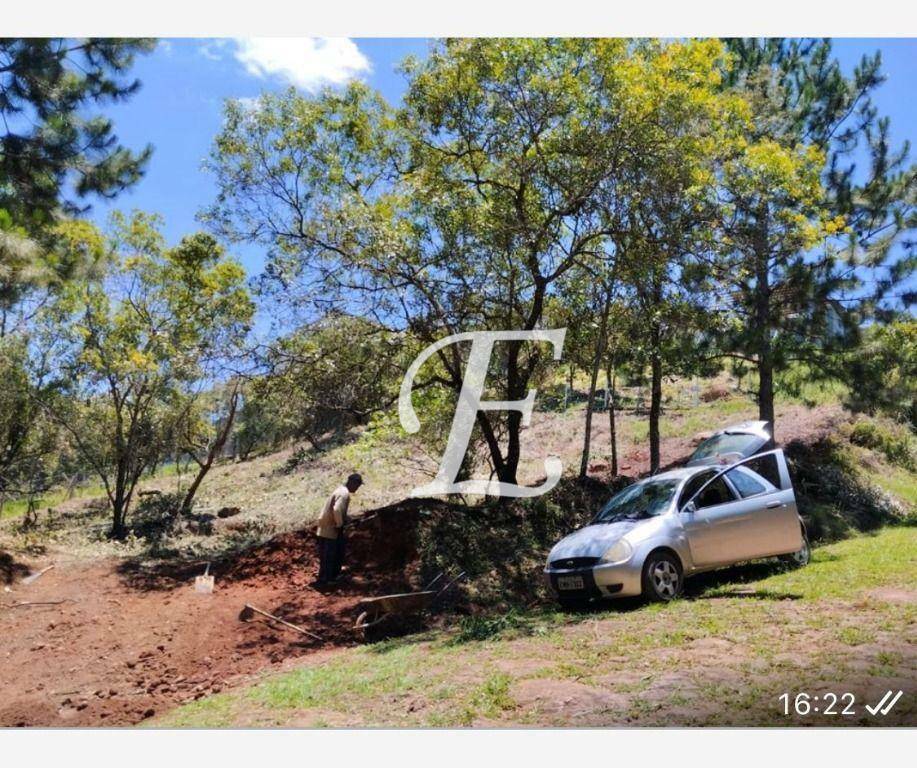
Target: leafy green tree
[463, 210]
[883, 371]
[203, 432]
[143, 340]
[802, 224]
[331, 375]
[263, 422]
[36, 297]
[56, 153]
[28, 458]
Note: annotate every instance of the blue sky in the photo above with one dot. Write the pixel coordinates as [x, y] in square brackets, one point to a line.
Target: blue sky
[179, 106]
[184, 84]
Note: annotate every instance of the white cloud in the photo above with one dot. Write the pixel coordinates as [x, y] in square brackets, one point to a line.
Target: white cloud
[308, 63]
[213, 49]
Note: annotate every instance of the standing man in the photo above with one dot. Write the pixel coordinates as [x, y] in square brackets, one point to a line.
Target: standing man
[331, 531]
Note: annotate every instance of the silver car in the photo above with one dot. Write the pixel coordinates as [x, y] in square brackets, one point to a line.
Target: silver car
[656, 532]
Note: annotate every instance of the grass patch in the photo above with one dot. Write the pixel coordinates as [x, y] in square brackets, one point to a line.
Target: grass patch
[898, 482]
[862, 562]
[894, 441]
[855, 636]
[490, 699]
[212, 712]
[17, 507]
[330, 685]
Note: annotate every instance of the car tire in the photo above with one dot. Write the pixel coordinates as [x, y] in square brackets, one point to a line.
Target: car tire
[801, 557]
[663, 577]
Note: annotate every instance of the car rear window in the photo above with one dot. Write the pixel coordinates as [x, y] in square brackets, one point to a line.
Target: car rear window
[743, 444]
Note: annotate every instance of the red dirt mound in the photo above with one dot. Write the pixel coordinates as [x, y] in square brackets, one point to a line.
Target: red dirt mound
[127, 641]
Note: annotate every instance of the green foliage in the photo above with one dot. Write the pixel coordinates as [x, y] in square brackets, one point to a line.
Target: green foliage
[834, 495]
[484, 627]
[500, 545]
[156, 515]
[491, 699]
[461, 210]
[141, 342]
[796, 225]
[883, 372]
[327, 377]
[897, 444]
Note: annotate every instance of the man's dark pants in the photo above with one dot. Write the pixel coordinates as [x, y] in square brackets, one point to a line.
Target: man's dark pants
[327, 559]
[340, 547]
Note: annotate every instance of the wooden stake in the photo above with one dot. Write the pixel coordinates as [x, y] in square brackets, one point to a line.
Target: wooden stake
[248, 610]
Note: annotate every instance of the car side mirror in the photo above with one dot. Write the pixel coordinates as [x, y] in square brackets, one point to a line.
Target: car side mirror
[689, 508]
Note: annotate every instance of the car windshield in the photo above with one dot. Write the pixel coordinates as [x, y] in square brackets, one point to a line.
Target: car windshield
[638, 501]
[741, 443]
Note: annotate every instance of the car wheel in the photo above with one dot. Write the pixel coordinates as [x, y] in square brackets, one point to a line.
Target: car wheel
[663, 578]
[801, 557]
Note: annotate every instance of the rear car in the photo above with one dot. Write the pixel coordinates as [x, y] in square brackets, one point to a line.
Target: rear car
[734, 443]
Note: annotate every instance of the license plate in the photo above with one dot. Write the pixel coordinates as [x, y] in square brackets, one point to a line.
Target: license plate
[570, 582]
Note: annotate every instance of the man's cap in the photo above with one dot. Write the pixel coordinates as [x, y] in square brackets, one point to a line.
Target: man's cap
[355, 478]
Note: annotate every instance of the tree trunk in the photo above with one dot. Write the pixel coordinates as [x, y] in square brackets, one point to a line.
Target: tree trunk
[214, 451]
[764, 351]
[596, 363]
[655, 410]
[515, 390]
[119, 515]
[766, 389]
[655, 371]
[612, 428]
[587, 437]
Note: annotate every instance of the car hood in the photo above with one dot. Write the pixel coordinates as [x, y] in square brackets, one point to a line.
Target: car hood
[591, 541]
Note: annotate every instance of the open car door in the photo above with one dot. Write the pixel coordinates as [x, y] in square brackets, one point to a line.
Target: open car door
[760, 519]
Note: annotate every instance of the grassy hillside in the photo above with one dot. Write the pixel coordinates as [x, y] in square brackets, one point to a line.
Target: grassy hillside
[284, 491]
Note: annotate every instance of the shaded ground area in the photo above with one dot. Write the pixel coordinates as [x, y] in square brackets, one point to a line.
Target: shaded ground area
[10, 570]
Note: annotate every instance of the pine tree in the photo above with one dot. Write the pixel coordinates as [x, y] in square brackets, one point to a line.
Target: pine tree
[47, 142]
[803, 224]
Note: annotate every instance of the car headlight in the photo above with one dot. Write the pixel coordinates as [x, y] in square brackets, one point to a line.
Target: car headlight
[618, 552]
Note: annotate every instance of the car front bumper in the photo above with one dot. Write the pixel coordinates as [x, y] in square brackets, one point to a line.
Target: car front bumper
[613, 580]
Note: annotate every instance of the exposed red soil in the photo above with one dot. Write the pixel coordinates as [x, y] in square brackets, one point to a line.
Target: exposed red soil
[130, 642]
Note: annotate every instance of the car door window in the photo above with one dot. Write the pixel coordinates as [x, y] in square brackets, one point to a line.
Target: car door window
[715, 493]
[745, 483]
[693, 486]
